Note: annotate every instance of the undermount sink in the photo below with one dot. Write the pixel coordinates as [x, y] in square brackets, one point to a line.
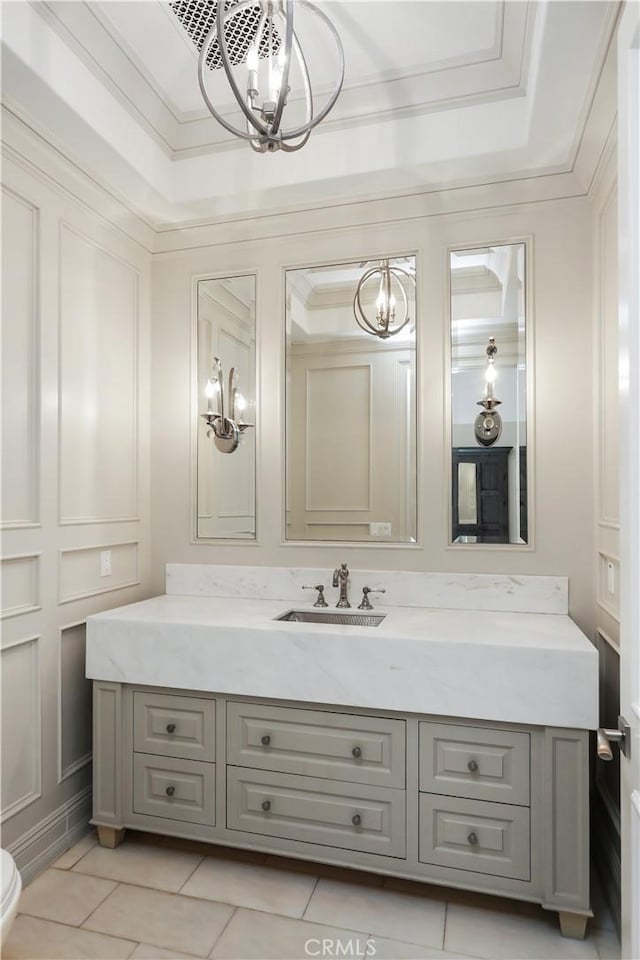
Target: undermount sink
[323, 616]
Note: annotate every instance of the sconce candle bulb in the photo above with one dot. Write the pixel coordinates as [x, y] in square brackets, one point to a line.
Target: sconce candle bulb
[225, 430]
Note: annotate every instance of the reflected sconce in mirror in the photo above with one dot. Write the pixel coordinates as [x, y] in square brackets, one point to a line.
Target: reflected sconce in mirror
[391, 280]
[225, 430]
[488, 424]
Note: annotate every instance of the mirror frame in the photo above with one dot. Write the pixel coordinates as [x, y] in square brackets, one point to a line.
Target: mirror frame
[195, 280]
[530, 546]
[350, 258]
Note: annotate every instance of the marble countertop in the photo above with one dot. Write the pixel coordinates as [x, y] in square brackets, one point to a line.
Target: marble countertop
[530, 668]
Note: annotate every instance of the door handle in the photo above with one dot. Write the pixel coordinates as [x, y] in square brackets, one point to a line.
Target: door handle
[621, 737]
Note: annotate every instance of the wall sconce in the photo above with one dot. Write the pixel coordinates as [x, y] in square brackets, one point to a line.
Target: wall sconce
[390, 279]
[226, 430]
[488, 425]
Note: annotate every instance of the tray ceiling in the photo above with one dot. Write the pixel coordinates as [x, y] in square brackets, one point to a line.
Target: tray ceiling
[436, 94]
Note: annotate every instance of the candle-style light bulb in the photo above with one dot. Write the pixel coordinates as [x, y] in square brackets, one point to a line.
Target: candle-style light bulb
[490, 375]
[252, 69]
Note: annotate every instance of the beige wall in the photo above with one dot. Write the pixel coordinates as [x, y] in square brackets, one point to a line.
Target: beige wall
[561, 496]
[75, 476]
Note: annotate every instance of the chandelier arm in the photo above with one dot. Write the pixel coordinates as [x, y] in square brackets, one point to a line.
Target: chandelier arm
[361, 317]
[203, 90]
[298, 131]
[304, 70]
[284, 80]
[224, 56]
[291, 148]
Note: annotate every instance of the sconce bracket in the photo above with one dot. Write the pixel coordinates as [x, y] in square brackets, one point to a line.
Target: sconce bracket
[487, 427]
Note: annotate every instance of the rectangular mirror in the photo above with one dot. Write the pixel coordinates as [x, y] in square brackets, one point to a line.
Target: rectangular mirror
[226, 365]
[489, 395]
[351, 401]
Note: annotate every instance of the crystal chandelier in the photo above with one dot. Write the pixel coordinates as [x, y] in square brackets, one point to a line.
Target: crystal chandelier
[273, 49]
[390, 317]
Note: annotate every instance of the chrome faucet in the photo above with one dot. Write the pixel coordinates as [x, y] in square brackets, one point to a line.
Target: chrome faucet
[341, 578]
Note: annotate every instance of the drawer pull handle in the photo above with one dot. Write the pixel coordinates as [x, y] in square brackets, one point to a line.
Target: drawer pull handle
[357, 752]
[266, 740]
[472, 766]
[171, 728]
[473, 838]
[356, 819]
[170, 791]
[266, 805]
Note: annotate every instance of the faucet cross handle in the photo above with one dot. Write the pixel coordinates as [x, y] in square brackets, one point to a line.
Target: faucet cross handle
[365, 603]
[320, 601]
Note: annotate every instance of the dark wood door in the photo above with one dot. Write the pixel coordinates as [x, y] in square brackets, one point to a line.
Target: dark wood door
[491, 521]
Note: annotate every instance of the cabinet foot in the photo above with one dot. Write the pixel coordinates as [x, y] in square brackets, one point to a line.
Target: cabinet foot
[110, 837]
[573, 925]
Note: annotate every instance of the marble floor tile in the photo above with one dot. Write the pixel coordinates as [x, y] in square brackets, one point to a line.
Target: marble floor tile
[345, 874]
[253, 886]
[71, 856]
[162, 919]
[196, 846]
[145, 951]
[63, 896]
[35, 939]
[497, 934]
[395, 950]
[263, 936]
[384, 913]
[157, 867]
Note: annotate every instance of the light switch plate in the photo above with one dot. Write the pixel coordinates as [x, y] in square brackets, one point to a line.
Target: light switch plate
[105, 563]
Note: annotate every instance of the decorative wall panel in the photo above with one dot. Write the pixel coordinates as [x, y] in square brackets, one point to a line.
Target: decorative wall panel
[20, 415]
[98, 407]
[81, 570]
[19, 584]
[338, 461]
[74, 749]
[20, 783]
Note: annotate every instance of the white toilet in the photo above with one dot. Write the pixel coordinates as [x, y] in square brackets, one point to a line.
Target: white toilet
[10, 890]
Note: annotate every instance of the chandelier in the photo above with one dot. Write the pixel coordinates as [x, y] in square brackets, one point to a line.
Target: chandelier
[392, 312]
[273, 49]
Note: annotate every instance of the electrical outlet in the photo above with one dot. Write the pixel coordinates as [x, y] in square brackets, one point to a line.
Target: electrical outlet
[380, 529]
[105, 563]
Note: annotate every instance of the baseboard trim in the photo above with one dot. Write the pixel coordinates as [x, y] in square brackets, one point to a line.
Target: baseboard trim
[47, 840]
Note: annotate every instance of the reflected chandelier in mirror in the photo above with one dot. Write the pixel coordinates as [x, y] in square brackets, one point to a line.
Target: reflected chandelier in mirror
[489, 490]
[350, 407]
[225, 494]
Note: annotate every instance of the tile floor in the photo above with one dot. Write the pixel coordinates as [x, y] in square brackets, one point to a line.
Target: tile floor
[154, 899]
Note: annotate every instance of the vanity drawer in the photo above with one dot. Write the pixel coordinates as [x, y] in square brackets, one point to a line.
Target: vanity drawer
[174, 726]
[314, 743]
[473, 762]
[368, 819]
[491, 838]
[174, 789]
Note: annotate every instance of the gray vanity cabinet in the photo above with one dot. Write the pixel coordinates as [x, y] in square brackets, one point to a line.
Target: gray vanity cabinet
[498, 808]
